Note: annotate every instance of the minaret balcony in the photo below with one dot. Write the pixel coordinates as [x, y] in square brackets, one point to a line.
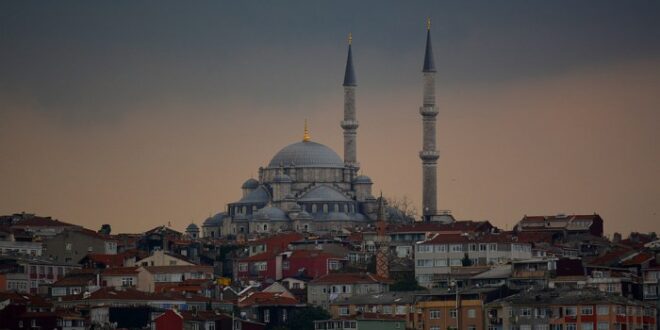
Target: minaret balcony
[428, 110]
[349, 124]
[429, 155]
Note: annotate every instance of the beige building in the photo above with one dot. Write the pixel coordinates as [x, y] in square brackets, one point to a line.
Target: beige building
[162, 258]
[151, 278]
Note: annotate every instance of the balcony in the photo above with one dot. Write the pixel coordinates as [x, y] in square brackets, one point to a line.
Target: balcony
[529, 274]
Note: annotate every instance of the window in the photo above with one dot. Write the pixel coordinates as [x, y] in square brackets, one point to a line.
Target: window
[456, 248]
[440, 262]
[525, 327]
[387, 309]
[571, 326]
[526, 312]
[603, 326]
[482, 246]
[211, 325]
[586, 326]
[424, 248]
[611, 287]
[343, 310]
[127, 281]
[472, 313]
[172, 262]
[266, 316]
[242, 267]
[453, 313]
[261, 266]
[334, 265]
[68, 246]
[492, 246]
[556, 327]
[472, 327]
[400, 310]
[540, 327]
[441, 248]
[325, 208]
[265, 227]
[587, 310]
[473, 247]
[603, 310]
[424, 262]
[455, 262]
[434, 314]
[285, 264]
[570, 311]
[434, 328]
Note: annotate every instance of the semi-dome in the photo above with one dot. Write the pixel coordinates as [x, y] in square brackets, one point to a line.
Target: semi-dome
[362, 179]
[270, 213]
[250, 183]
[324, 193]
[260, 195]
[215, 220]
[306, 154]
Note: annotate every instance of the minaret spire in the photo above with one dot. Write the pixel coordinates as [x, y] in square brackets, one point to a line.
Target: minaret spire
[350, 124]
[306, 136]
[429, 155]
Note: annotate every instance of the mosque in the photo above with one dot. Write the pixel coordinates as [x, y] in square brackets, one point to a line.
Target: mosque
[308, 187]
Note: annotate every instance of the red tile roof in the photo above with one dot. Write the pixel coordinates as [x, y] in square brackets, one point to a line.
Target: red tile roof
[278, 242]
[432, 227]
[350, 278]
[111, 260]
[266, 299]
[109, 293]
[178, 269]
[638, 259]
[116, 271]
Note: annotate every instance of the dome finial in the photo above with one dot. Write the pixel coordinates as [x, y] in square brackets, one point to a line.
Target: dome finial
[350, 38]
[428, 23]
[306, 136]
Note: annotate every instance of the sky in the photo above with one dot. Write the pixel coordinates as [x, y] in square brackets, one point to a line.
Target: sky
[142, 113]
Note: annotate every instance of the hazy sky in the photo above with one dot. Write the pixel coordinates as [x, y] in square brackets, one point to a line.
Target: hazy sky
[137, 114]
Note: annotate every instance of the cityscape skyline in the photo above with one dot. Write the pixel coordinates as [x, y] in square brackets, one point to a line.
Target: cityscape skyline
[148, 122]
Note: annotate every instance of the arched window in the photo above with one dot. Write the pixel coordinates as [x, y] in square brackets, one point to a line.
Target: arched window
[345, 208]
[325, 208]
[254, 208]
[306, 227]
[244, 210]
[336, 207]
[265, 227]
[313, 208]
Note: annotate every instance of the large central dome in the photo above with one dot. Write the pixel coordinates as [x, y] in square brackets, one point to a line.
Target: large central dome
[306, 153]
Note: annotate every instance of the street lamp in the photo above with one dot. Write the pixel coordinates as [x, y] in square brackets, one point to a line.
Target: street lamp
[458, 314]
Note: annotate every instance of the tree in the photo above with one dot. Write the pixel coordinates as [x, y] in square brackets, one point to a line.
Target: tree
[404, 209]
[466, 261]
[303, 318]
[408, 283]
[105, 229]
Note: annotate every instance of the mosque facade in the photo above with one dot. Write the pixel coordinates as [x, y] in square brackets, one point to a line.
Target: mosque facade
[308, 187]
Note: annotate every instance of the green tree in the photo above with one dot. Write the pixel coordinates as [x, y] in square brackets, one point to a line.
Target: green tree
[466, 261]
[303, 318]
[408, 283]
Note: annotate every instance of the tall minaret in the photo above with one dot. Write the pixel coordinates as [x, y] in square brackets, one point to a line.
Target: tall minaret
[350, 124]
[429, 154]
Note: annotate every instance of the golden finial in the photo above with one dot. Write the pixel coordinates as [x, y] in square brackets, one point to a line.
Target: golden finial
[428, 23]
[350, 38]
[306, 136]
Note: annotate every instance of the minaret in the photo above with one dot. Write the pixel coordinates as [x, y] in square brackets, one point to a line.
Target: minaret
[429, 155]
[350, 124]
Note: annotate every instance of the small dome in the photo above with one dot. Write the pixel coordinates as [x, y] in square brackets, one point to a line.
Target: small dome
[215, 220]
[306, 154]
[192, 228]
[250, 183]
[362, 179]
[282, 178]
[270, 213]
[303, 215]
